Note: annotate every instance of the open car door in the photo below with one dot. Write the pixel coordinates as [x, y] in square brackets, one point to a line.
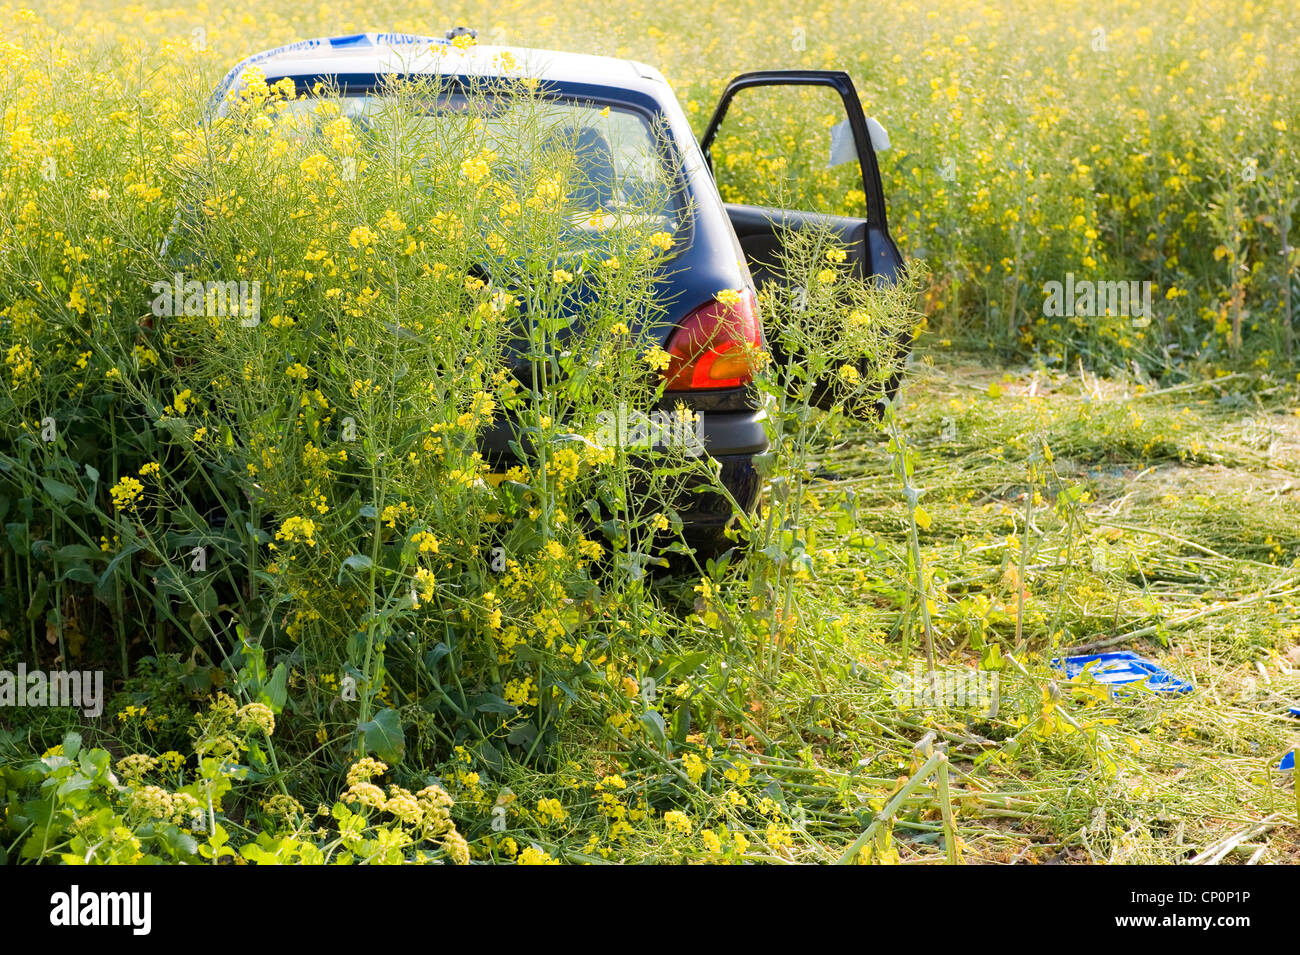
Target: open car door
[835, 142]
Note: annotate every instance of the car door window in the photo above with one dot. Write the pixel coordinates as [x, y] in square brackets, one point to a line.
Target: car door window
[792, 150]
[789, 147]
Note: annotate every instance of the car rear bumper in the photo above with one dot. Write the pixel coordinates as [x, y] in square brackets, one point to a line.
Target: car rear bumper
[729, 433]
[709, 510]
[732, 438]
[721, 434]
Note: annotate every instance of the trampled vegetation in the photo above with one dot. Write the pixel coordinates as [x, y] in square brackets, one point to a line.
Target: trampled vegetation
[331, 634]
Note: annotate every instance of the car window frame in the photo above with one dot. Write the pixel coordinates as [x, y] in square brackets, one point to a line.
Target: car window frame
[840, 82]
[647, 107]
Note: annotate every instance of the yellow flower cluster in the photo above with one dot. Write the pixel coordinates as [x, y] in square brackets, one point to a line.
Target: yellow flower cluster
[298, 530]
[126, 493]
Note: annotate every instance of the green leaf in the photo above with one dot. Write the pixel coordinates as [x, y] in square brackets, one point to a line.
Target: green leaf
[522, 735]
[491, 703]
[654, 723]
[276, 691]
[384, 737]
[356, 562]
[39, 596]
[124, 554]
[180, 842]
[71, 744]
[73, 784]
[60, 492]
[70, 552]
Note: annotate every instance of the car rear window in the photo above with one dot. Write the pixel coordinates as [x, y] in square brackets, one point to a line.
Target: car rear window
[626, 168]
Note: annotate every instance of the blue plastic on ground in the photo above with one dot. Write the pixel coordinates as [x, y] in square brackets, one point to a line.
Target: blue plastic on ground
[1288, 761]
[1123, 666]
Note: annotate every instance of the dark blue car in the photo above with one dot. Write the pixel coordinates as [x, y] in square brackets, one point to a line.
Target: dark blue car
[722, 246]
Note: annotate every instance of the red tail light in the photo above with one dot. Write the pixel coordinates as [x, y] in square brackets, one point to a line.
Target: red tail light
[712, 346]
